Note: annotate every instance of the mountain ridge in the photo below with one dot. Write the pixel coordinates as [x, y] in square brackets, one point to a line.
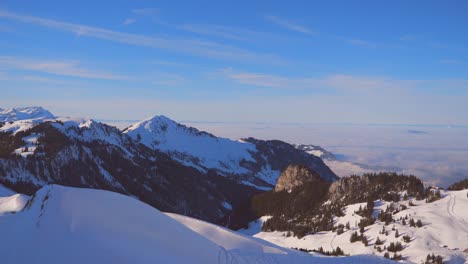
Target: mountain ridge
[84, 153]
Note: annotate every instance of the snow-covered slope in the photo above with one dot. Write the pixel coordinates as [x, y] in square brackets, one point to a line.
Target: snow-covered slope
[11, 202]
[444, 231]
[69, 225]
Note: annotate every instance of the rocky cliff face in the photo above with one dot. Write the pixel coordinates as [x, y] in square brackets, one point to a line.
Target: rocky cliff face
[296, 175]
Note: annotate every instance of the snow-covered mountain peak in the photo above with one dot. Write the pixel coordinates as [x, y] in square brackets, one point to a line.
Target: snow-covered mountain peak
[161, 124]
[189, 144]
[18, 119]
[25, 113]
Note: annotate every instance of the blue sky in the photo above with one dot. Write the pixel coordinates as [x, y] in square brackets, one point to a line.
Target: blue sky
[386, 62]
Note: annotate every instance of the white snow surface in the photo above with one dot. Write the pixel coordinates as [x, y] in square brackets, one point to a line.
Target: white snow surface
[188, 143]
[444, 231]
[72, 225]
[11, 202]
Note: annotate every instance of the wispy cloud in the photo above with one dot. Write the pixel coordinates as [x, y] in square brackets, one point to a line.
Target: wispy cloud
[289, 25]
[344, 83]
[141, 12]
[63, 68]
[145, 11]
[267, 80]
[225, 32]
[188, 46]
[128, 21]
[168, 63]
[42, 79]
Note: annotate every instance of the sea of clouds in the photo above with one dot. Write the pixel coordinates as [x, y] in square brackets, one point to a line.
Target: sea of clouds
[437, 154]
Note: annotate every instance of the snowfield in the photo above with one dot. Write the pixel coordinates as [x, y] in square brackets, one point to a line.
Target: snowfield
[70, 225]
[444, 231]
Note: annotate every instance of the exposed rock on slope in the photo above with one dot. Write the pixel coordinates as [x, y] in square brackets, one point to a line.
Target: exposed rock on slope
[295, 175]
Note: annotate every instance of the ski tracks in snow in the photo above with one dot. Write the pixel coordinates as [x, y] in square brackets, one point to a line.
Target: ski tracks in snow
[458, 221]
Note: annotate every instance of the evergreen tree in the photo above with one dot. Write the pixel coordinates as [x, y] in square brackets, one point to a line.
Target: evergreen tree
[419, 223]
[378, 241]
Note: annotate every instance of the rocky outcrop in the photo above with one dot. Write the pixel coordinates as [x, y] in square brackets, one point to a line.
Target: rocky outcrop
[296, 175]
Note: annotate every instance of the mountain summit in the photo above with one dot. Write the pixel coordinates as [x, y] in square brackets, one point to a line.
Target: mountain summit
[24, 113]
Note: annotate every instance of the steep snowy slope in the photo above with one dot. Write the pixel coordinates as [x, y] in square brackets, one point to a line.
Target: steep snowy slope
[69, 225]
[444, 231]
[253, 162]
